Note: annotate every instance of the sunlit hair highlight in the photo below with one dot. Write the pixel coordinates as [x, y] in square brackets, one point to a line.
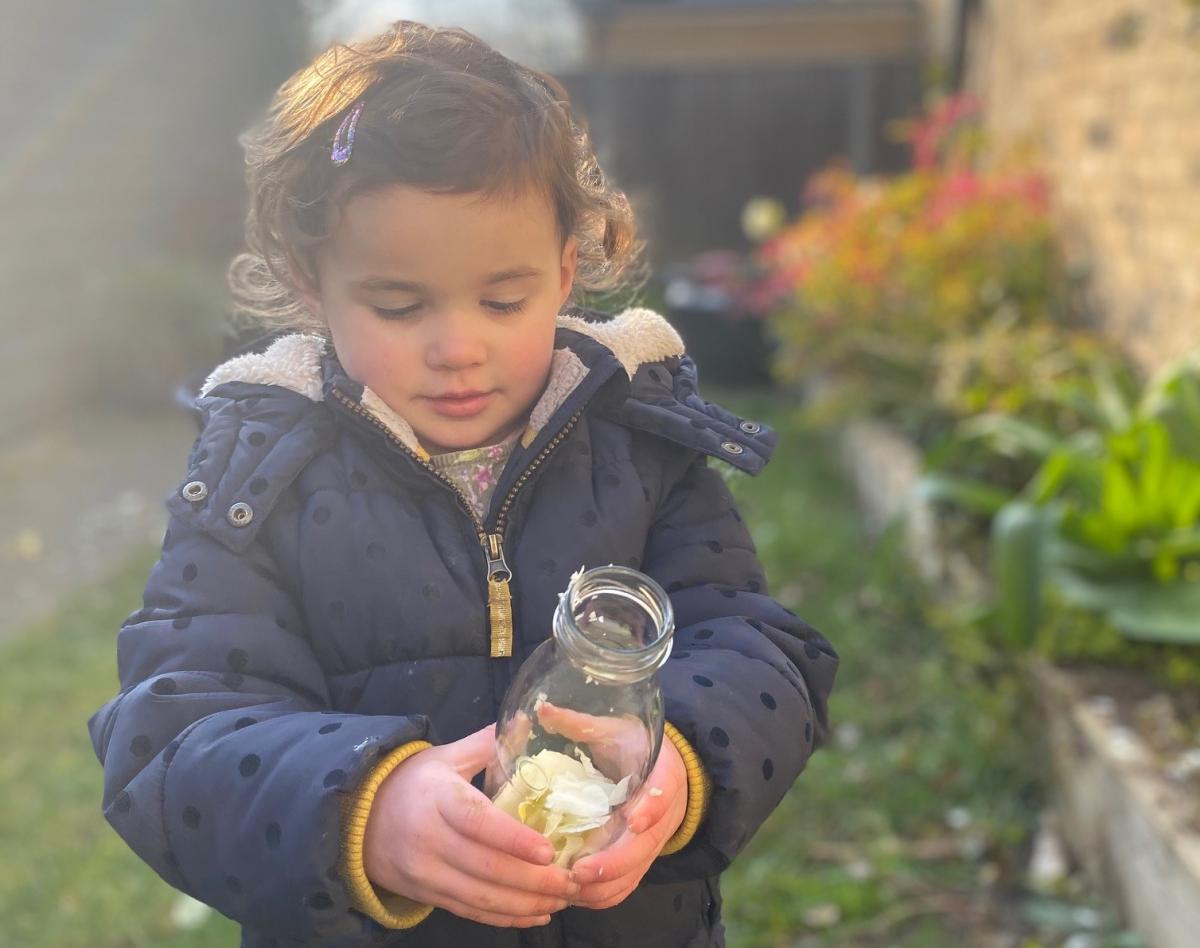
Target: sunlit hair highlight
[443, 112]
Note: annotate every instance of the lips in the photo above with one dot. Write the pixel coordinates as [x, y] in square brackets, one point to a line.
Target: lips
[460, 404]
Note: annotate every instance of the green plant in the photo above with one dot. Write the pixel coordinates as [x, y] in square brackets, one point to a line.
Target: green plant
[1032, 403]
[1119, 536]
[1108, 516]
[1045, 374]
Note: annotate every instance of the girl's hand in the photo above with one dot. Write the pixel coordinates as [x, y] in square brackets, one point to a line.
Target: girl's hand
[607, 877]
[434, 838]
[618, 744]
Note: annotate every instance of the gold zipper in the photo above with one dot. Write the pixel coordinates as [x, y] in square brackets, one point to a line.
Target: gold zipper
[502, 514]
[499, 575]
[499, 597]
[500, 617]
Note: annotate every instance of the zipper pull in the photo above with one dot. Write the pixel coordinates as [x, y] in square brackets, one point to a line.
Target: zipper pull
[500, 619]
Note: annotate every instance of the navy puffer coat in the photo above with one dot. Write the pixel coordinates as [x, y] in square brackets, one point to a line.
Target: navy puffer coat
[321, 600]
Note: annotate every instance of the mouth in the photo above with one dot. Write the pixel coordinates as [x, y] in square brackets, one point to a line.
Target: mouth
[460, 404]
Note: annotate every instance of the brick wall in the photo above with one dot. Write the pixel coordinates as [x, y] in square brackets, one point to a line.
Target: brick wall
[1108, 94]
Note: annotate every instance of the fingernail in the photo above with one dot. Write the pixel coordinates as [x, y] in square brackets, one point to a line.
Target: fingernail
[545, 856]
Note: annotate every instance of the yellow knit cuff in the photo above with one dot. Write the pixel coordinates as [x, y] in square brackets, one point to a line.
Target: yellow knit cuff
[387, 908]
[699, 791]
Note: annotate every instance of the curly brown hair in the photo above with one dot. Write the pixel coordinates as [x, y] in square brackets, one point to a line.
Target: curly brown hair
[444, 112]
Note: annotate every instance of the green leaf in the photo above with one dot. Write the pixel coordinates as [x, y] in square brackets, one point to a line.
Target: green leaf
[1118, 501]
[1018, 533]
[1142, 610]
[1064, 551]
[1115, 408]
[1182, 542]
[1070, 467]
[1173, 399]
[1013, 436]
[971, 495]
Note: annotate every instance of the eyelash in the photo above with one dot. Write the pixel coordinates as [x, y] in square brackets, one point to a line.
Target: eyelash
[504, 308]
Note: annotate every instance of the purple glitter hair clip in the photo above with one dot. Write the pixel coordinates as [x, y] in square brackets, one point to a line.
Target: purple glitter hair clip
[343, 141]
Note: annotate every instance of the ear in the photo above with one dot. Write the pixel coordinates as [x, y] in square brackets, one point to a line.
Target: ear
[570, 260]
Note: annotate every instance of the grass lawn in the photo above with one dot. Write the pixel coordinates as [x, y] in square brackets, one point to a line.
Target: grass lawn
[68, 879]
[905, 832]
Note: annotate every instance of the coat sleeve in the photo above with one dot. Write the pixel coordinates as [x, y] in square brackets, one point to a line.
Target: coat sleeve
[224, 767]
[747, 683]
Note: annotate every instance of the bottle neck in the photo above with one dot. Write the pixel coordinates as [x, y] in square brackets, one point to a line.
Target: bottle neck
[615, 624]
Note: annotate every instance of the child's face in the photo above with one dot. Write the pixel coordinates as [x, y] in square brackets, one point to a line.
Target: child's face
[460, 357]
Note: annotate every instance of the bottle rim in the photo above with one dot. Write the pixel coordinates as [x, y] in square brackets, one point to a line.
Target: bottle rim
[604, 658]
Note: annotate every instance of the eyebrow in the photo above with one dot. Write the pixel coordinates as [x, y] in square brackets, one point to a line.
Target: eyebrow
[386, 283]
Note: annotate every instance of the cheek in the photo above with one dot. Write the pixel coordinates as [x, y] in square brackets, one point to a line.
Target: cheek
[369, 353]
[530, 355]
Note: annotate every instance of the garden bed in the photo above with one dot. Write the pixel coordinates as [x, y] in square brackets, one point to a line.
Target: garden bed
[1124, 763]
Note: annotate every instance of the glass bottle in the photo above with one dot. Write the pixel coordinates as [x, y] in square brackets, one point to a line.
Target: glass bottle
[582, 723]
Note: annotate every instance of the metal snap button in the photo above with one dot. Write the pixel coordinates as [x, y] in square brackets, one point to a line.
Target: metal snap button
[750, 427]
[194, 491]
[732, 447]
[240, 514]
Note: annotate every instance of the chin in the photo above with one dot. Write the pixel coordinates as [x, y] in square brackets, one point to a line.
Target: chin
[457, 439]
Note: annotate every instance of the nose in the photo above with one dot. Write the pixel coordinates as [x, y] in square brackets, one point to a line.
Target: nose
[456, 342]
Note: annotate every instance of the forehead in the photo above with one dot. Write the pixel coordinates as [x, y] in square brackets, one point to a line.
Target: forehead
[402, 231]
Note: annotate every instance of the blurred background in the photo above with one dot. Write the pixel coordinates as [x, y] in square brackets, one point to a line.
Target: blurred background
[949, 248]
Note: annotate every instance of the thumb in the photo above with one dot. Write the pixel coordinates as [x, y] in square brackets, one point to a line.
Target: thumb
[472, 753]
[648, 808]
[655, 796]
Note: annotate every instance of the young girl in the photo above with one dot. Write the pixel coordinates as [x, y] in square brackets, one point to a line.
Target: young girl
[379, 515]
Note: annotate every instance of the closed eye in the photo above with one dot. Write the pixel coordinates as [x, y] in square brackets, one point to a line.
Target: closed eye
[382, 313]
[395, 313]
[514, 307]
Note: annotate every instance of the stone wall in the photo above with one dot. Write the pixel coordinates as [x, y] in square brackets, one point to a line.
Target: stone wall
[1108, 94]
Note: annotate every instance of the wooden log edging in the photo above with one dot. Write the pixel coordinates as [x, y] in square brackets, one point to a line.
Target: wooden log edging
[1127, 822]
[1129, 825]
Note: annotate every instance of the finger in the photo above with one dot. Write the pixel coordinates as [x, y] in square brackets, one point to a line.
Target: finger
[481, 862]
[570, 724]
[519, 729]
[601, 895]
[649, 808]
[490, 897]
[469, 813]
[462, 910]
[655, 799]
[630, 853]
[471, 754]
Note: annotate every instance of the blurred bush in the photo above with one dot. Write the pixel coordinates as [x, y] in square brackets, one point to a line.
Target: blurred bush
[155, 325]
[879, 280]
[937, 300]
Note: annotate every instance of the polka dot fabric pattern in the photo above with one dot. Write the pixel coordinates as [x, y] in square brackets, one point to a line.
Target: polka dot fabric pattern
[285, 647]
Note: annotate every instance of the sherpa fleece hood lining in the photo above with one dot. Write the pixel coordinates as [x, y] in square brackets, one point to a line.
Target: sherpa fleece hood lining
[635, 337]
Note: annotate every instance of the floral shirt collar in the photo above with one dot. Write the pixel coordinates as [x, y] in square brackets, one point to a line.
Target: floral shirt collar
[476, 470]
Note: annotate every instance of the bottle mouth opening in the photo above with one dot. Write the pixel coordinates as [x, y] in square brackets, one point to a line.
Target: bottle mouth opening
[618, 619]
